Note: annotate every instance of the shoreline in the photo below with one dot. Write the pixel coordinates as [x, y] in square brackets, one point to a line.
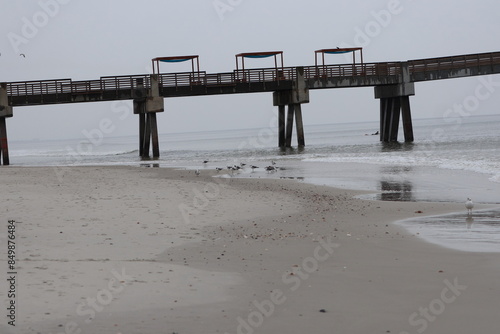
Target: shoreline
[243, 240]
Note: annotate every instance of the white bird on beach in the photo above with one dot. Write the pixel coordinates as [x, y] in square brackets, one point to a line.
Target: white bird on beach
[469, 205]
[197, 172]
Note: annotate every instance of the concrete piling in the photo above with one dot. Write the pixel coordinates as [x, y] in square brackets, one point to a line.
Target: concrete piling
[5, 112]
[147, 104]
[394, 101]
[293, 99]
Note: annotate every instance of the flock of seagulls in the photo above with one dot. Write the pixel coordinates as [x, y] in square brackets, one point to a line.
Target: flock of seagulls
[271, 168]
[469, 205]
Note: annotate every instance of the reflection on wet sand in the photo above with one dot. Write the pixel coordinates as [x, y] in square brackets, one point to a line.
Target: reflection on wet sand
[469, 221]
[396, 190]
[396, 146]
[480, 233]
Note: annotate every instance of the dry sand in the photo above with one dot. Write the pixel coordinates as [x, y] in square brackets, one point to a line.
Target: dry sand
[149, 250]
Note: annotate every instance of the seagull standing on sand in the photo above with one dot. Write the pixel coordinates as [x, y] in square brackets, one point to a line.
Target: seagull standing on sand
[469, 205]
[197, 172]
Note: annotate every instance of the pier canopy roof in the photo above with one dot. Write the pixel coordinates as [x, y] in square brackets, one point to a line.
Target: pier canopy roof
[195, 62]
[278, 58]
[322, 52]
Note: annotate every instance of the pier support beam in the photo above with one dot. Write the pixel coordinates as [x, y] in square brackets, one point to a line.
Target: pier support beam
[407, 123]
[147, 107]
[391, 108]
[293, 99]
[394, 101]
[5, 112]
[289, 125]
[281, 126]
[4, 146]
[300, 125]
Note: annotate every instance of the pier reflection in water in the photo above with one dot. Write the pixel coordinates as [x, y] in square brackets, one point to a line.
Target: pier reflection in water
[395, 186]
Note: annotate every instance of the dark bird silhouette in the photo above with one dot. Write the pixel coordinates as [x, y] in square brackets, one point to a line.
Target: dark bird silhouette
[22, 55]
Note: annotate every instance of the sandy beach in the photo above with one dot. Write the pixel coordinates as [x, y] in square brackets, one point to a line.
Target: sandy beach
[134, 250]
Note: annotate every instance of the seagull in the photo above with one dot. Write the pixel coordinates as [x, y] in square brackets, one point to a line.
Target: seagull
[197, 172]
[270, 168]
[22, 55]
[205, 161]
[218, 169]
[469, 205]
[253, 167]
[273, 162]
[242, 164]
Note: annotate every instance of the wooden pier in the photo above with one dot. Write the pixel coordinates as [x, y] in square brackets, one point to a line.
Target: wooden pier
[393, 82]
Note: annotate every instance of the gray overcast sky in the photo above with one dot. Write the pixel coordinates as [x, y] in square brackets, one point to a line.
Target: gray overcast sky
[86, 39]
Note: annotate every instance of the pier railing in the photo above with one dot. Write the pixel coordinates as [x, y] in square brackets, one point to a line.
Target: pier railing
[420, 69]
[424, 67]
[132, 82]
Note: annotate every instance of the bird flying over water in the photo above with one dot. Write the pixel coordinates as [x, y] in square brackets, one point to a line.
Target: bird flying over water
[22, 55]
[469, 205]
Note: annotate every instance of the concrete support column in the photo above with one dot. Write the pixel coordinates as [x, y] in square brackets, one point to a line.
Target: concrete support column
[4, 146]
[394, 101]
[281, 126]
[289, 125]
[293, 99]
[300, 125]
[142, 126]
[390, 110]
[5, 112]
[147, 108]
[407, 123]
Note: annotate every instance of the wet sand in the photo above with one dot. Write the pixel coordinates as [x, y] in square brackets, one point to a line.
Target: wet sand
[149, 250]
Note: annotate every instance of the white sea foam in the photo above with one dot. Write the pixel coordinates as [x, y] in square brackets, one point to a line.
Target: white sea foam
[482, 166]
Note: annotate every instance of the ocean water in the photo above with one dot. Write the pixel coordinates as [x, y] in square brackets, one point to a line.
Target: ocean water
[450, 160]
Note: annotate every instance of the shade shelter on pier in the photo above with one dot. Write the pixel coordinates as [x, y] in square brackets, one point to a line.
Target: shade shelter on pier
[195, 62]
[338, 51]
